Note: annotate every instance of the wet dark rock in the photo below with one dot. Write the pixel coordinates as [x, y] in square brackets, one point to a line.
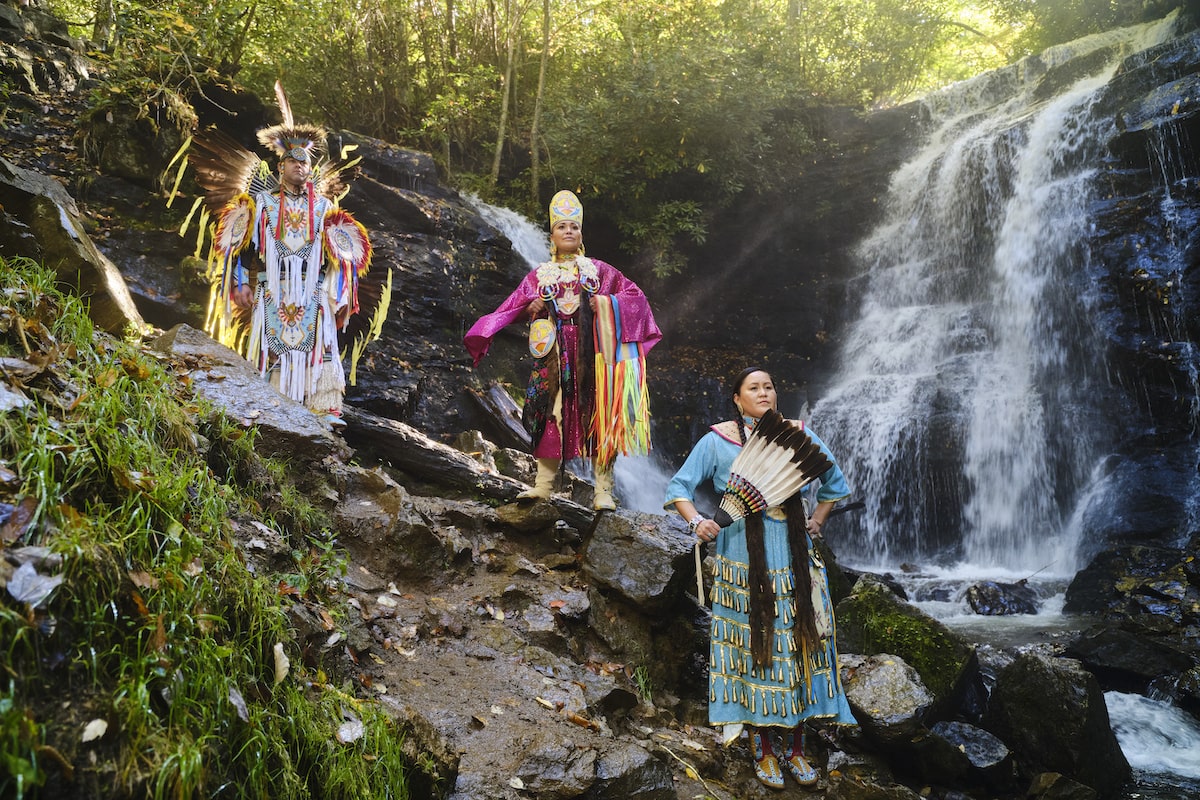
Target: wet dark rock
[541, 628]
[1187, 691]
[1054, 786]
[1051, 712]
[287, 430]
[645, 560]
[1169, 71]
[529, 517]
[631, 772]
[53, 219]
[963, 755]
[860, 767]
[1125, 661]
[992, 598]
[1154, 588]
[556, 769]
[1058, 78]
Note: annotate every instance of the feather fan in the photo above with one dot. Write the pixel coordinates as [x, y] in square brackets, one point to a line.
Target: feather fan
[777, 461]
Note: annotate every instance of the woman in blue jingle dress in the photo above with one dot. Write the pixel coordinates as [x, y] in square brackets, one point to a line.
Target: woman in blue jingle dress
[770, 668]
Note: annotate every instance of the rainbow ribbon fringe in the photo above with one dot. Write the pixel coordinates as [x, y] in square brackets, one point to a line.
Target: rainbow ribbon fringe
[621, 420]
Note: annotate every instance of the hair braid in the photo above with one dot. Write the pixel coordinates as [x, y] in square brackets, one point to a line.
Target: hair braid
[804, 622]
[762, 594]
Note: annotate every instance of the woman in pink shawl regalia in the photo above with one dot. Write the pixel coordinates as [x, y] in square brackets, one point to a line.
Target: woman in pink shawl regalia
[591, 328]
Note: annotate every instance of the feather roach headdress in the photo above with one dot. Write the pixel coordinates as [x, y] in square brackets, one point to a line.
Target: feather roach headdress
[289, 140]
[777, 461]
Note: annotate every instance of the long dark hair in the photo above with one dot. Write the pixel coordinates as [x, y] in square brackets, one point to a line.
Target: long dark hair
[585, 365]
[762, 595]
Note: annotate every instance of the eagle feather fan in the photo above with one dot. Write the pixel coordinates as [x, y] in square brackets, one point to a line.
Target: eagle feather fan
[777, 460]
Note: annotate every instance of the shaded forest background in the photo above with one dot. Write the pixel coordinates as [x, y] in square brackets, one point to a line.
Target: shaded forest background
[660, 113]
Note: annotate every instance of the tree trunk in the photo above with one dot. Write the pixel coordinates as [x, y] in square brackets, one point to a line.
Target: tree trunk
[106, 17]
[505, 98]
[238, 47]
[451, 34]
[535, 128]
[426, 37]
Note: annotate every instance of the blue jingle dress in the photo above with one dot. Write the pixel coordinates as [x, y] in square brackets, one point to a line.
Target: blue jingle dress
[797, 686]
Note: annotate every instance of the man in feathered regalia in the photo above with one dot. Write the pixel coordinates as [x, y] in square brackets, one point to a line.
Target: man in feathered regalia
[282, 301]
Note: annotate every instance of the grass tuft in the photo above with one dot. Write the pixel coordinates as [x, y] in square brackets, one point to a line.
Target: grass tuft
[158, 628]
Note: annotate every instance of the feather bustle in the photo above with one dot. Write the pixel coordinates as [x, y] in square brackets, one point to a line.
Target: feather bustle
[224, 169]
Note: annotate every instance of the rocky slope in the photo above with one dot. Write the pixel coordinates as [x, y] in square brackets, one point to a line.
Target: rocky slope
[525, 653]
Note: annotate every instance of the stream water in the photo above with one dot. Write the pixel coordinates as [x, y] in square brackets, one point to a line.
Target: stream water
[965, 406]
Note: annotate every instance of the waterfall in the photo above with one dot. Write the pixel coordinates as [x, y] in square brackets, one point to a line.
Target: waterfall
[530, 242]
[967, 408]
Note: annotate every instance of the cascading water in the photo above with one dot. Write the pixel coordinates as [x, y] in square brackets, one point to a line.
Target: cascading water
[965, 410]
[529, 241]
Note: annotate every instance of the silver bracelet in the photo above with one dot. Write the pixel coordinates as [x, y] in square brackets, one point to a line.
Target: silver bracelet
[694, 523]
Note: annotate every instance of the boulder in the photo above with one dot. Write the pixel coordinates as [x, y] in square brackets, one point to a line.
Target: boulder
[555, 769]
[671, 650]
[874, 620]
[963, 755]
[286, 429]
[1051, 712]
[384, 530]
[644, 559]
[1155, 586]
[50, 223]
[993, 598]
[629, 772]
[1053, 786]
[887, 697]
[1126, 661]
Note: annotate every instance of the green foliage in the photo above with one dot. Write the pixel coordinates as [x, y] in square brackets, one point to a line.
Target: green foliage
[20, 739]
[660, 112]
[885, 627]
[928, 652]
[160, 627]
[645, 687]
[1041, 24]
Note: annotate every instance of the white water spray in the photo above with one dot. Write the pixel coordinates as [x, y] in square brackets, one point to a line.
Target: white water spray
[1156, 737]
[529, 241]
[963, 411]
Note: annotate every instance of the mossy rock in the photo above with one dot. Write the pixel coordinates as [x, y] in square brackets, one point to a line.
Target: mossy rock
[874, 620]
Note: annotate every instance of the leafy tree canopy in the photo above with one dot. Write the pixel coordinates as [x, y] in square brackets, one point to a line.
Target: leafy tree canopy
[661, 112]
